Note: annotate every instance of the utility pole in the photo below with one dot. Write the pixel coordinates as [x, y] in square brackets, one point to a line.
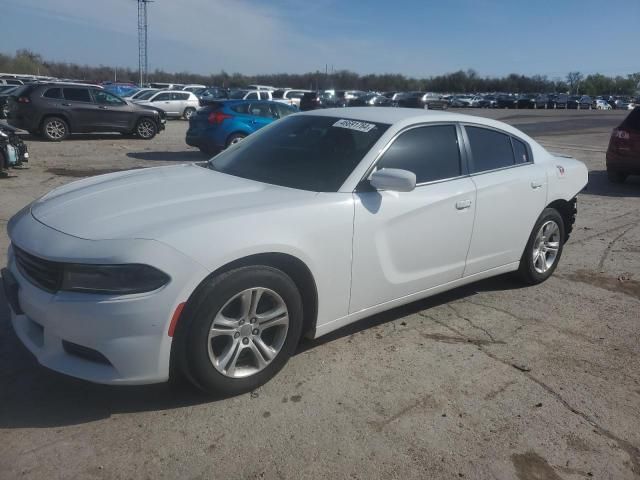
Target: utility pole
[143, 64]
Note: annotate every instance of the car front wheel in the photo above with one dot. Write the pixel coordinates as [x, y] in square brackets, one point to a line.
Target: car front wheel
[240, 328]
[146, 128]
[188, 113]
[544, 248]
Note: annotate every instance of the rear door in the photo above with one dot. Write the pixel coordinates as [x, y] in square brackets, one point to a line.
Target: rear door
[511, 194]
[261, 114]
[80, 109]
[163, 100]
[114, 113]
[179, 102]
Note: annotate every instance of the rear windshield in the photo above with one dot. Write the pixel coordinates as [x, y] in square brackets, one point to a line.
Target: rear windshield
[632, 122]
[306, 152]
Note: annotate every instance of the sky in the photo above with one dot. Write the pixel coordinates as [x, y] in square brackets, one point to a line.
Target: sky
[418, 38]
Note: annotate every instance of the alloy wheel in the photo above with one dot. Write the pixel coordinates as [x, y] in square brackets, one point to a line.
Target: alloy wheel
[145, 129]
[248, 332]
[55, 129]
[546, 246]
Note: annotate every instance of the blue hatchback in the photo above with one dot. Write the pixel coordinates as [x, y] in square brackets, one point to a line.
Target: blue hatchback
[220, 124]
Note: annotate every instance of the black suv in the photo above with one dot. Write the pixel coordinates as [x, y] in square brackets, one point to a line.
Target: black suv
[54, 110]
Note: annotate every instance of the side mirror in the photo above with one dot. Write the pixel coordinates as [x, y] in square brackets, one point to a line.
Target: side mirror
[393, 179]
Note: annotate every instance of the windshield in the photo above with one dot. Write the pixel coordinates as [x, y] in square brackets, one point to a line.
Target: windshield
[306, 152]
[145, 95]
[6, 89]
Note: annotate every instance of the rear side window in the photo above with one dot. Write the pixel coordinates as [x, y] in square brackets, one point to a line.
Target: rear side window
[241, 108]
[520, 151]
[252, 96]
[432, 153]
[260, 110]
[77, 94]
[282, 110]
[53, 93]
[489, 149]
[179, 96]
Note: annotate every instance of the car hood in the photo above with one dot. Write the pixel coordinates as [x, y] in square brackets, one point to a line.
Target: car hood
[147, 203]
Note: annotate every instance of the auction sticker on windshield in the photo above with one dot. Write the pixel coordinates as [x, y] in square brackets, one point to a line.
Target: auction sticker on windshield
[354, 125]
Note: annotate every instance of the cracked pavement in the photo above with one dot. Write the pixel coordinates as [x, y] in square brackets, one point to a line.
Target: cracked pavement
[491, 380]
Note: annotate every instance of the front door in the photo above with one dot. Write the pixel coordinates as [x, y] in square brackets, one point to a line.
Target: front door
[113, 112]
[409, 242]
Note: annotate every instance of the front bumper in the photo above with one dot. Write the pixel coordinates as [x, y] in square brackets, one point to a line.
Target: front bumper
[128, 333]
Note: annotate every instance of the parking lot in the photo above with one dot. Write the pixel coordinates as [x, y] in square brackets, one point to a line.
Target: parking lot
[491, 380]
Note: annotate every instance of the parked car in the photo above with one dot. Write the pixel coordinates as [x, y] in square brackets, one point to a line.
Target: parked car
[560, 101]
[460, 101]
[289, 95]
[623, 154]
[585, 102]
[371, 100]
[224, 123]
[543, 100]
[526, 101]
[621, 104]
[215, 271]
[425, 100]
[193, 87]
[242, 94]
[174, 103]
[11, 81]
[601, 104]
[13, 151]
[480, 101]
[120, 89]
[4, 97]
[56, 110]
[211, 93]
[316, 100]
[506, 101]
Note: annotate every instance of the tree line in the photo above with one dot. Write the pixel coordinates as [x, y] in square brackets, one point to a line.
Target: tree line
[28, 62]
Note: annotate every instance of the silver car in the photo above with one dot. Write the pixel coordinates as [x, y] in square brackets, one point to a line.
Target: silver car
[175, 103]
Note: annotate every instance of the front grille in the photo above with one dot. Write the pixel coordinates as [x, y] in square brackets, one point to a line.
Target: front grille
[42, 273]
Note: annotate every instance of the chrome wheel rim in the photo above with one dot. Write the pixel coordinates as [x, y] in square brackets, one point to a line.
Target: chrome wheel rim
[235, 140]
[145, 129]
[248, 332]
[188, 113]
[546, 246]
[55, 129]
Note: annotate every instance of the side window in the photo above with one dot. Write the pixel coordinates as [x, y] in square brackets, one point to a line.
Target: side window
[105, 98]
[260, 110]
[520, 151]
[489, 149]
[162, 97]
[241, 108]
[252, 96]
[432, 153]
[282, 110]
[179, 96]
[53, 93]
[77, 94]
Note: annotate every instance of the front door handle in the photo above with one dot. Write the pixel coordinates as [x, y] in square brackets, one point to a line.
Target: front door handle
[463, 204]
[536, 184]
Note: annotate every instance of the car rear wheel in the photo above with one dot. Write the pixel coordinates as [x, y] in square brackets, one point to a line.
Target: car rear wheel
[188, 113]
[235, 138]
[54, 129]
[239, 329]
[146, 128]
[544, 248]
[616, 177]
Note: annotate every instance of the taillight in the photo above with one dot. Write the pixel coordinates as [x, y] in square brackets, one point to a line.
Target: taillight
[24, 100]
[621, 134]
[217, 117]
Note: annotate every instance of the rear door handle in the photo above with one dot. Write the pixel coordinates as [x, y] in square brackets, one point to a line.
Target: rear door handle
[463, 204]
[536, 184]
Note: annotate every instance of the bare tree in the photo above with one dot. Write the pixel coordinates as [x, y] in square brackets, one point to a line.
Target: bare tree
[574, 79]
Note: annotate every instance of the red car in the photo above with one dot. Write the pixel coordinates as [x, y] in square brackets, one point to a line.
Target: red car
[623, 154]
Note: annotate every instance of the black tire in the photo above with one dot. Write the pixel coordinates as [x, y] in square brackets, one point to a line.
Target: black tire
[188, 112]
[191, 338]
[527, 271]
[54, 129]
[235, 138]
[616, 177]
[146, 128]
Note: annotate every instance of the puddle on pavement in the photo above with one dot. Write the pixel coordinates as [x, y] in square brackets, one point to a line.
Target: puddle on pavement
[626, 286]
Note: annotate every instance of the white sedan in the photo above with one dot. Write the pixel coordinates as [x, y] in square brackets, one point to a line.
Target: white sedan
[214, 271]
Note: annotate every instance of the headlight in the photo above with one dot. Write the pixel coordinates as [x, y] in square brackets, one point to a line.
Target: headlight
[112, 279]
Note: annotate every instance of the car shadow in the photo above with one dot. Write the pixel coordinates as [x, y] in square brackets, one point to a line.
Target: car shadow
[28, 137]
[35, 397]
[185, 156]
[600, 185]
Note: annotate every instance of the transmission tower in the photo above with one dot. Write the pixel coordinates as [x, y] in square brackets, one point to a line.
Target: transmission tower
[143, 64]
